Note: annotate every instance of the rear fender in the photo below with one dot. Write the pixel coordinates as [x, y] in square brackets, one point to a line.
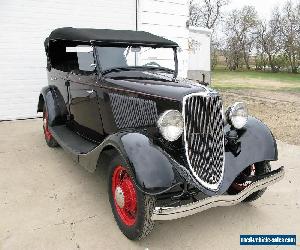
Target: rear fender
[56, 107]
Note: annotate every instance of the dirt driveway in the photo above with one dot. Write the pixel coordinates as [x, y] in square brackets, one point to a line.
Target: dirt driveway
[48, 202]
[279, 110]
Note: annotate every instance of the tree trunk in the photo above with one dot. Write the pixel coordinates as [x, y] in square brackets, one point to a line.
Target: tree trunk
[295, 69]
[273, 67]
[294, 64]
[246, 59]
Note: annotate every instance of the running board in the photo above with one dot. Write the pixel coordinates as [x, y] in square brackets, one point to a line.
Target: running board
[171, 213]
[71, 142]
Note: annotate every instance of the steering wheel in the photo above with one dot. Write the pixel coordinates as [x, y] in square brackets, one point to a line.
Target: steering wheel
[152, 64]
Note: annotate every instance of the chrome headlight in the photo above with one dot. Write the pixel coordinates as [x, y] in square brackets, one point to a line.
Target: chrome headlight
[170, 124]
[237, 115]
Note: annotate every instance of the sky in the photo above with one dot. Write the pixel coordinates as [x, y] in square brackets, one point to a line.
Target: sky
[263, 7]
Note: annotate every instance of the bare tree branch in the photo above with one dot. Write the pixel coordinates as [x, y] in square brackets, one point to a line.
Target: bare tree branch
[206, 13]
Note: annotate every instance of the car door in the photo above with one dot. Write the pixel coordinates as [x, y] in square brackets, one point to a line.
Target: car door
[84, 106]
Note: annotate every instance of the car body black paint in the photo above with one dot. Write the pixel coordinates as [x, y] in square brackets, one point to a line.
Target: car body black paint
[85, 108]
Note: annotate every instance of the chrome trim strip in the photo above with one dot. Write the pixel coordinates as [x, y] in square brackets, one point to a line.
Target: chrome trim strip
[171, 213]
[213, 187]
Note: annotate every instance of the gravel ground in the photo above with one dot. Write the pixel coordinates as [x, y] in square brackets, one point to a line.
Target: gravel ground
[279, 110]
[49, 202]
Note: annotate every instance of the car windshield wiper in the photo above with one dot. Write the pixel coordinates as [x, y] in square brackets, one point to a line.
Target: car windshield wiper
[117, 69]
[156, 68]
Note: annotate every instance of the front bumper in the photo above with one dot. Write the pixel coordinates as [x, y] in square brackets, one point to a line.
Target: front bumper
[171, 213]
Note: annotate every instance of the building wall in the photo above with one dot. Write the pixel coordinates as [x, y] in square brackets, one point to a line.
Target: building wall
[167, 18]
[24, 25]
[199, 54]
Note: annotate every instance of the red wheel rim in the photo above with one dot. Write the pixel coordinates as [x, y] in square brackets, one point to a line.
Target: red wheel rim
[241, 186]
[47, 133]
[124, 193]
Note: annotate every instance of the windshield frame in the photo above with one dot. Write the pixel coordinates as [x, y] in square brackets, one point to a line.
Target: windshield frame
[104, 72]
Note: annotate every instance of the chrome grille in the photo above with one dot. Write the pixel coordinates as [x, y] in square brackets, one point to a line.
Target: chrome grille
[204, 138]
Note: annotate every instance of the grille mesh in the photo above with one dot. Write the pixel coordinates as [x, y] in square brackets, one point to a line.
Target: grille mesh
[132, 112]
[204, 138]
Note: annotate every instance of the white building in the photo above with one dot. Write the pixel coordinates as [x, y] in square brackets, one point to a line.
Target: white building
[199, 54]
[24, 24]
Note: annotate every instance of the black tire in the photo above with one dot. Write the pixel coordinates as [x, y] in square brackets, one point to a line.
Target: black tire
[260, 168]
[145, 205]
[51, 142]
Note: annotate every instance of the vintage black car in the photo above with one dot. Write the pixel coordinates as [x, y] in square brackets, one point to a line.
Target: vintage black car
[174, 152]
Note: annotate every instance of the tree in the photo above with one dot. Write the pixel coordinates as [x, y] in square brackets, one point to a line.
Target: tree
[269, 41]
[274, 43]
[240, 28]
[290, 31]
[233, 54]
[206, 13]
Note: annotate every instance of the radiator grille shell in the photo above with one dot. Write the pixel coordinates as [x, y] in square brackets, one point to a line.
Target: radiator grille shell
[204, 137]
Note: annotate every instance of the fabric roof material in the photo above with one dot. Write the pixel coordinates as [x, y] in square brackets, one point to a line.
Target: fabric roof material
[110, 36]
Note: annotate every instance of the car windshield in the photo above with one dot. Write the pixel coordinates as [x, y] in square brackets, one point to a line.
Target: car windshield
[132, 58]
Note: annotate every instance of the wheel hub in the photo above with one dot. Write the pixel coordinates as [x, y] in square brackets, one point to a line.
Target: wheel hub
[124, 195]
[119, 196]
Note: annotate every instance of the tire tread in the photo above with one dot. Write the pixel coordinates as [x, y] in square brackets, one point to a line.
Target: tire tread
[149, 204]
[265, 167]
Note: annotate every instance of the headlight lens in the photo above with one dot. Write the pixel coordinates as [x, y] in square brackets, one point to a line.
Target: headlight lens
[170, 124]
[238, 115]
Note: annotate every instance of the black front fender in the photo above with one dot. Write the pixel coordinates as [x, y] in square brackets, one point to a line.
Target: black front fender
[256, 144]
[153, 169]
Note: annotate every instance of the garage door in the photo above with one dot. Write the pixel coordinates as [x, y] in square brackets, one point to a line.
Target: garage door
[24, 24]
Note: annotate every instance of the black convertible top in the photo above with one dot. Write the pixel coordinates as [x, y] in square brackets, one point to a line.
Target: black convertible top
[108, 36]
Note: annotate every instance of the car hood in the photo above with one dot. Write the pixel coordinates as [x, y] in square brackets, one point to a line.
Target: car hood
[156, 84]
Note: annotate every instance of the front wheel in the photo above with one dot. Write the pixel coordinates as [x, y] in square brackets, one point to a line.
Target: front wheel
[238, 185]
[131, 208]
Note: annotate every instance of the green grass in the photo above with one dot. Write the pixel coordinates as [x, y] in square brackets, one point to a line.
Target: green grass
[282, 81]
